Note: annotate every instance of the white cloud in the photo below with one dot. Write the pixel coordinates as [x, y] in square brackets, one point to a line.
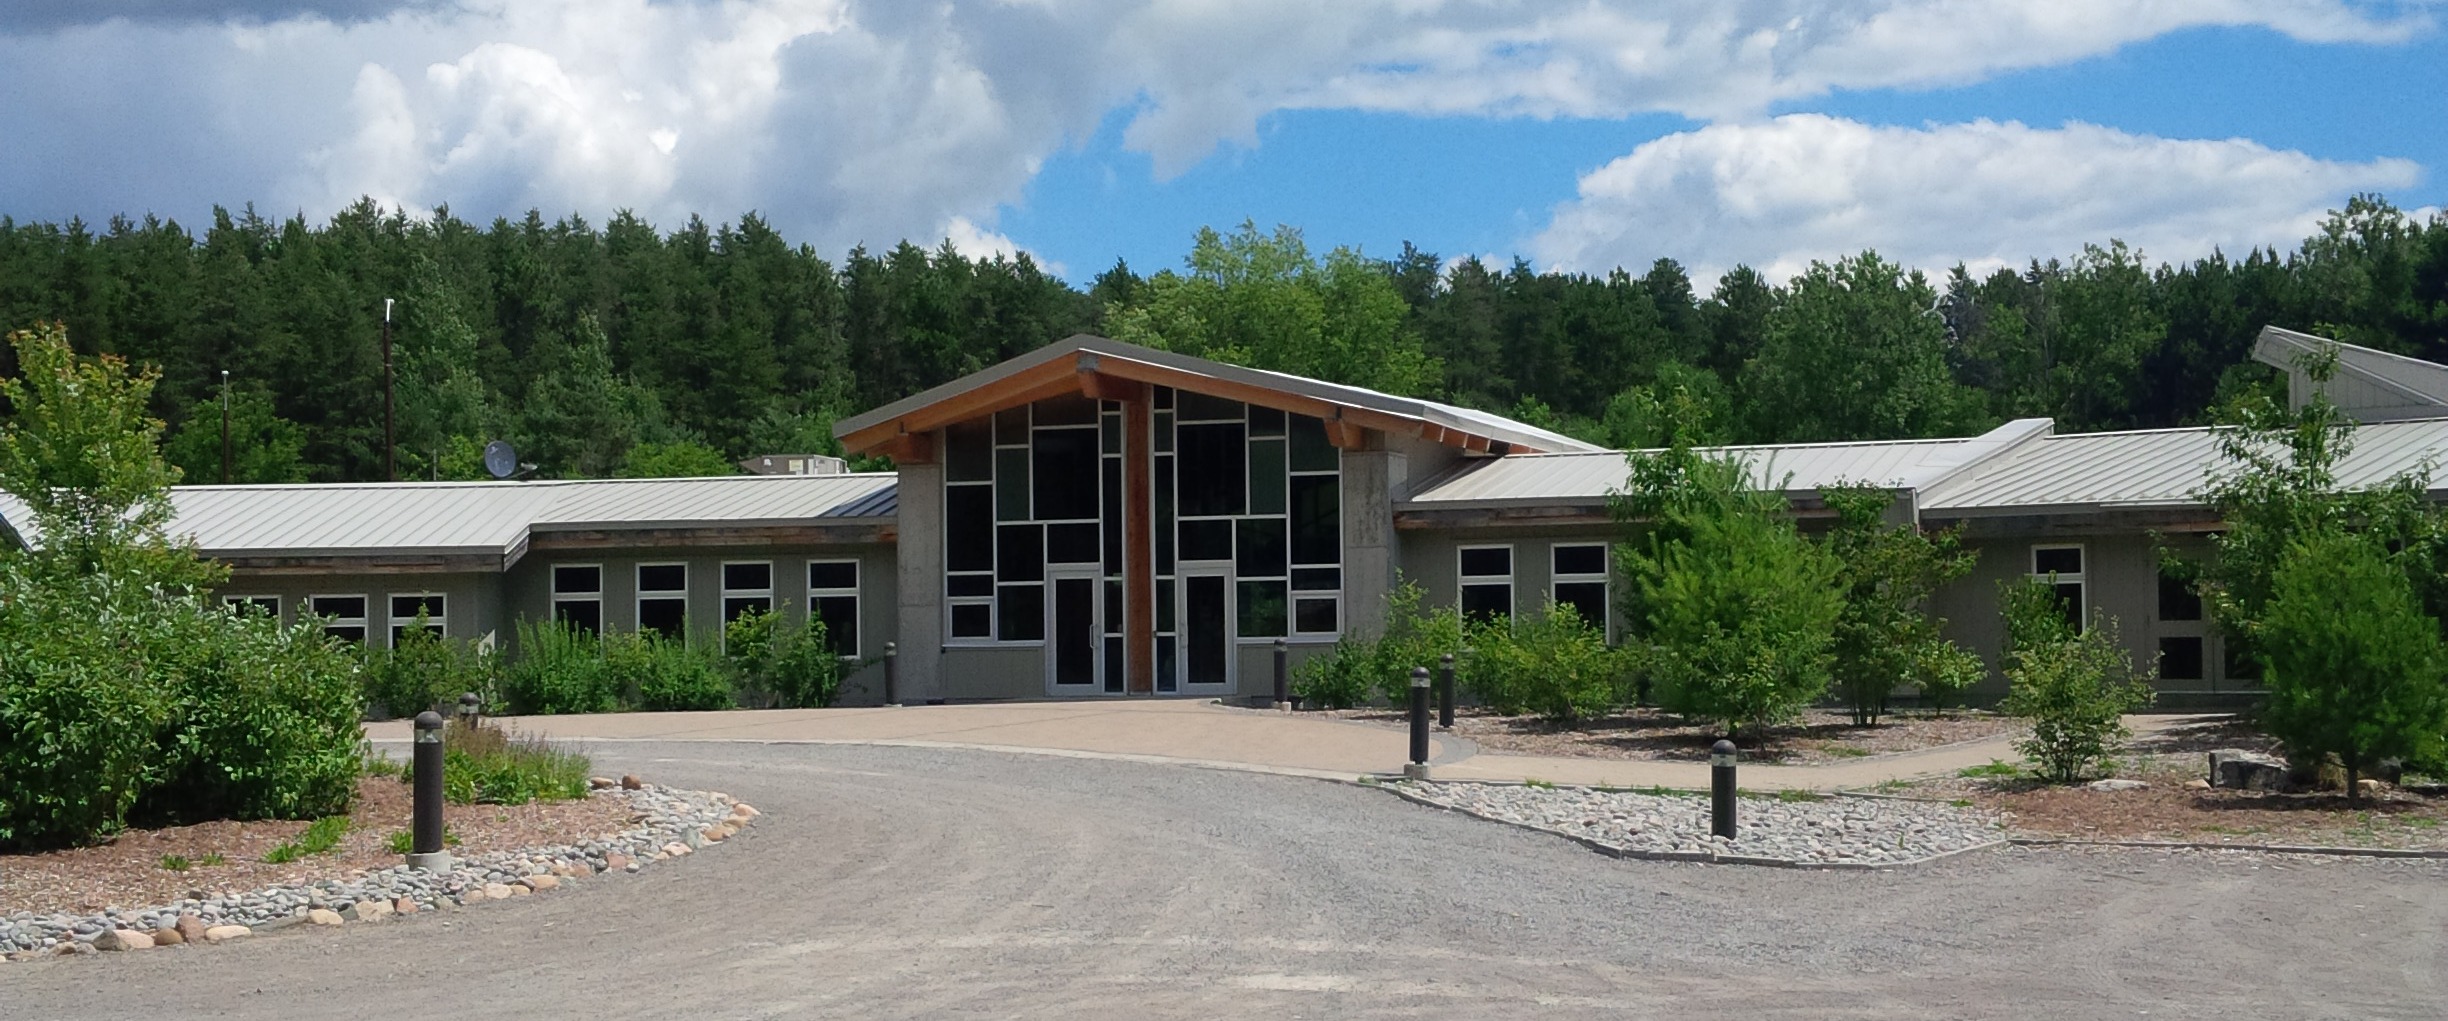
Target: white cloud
[1778, 194]
[867, 121]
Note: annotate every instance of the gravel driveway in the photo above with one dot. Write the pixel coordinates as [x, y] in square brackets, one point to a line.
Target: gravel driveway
[911, 883]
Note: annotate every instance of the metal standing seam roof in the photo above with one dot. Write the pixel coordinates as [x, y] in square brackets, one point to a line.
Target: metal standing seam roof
[495, 518]
[2159, 468]
[1524, 479]
[2422, 382]
[1494, 427]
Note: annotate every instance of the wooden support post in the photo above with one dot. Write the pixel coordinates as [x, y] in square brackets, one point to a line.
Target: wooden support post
[1138, 547]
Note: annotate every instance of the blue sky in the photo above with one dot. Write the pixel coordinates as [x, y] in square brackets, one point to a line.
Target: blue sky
[1578, 136]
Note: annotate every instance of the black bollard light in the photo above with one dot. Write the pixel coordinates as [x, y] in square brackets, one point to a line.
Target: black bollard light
[892, 672]
[1445, 682]
[471, 709]
[1283, 675]
[1417, 768]
[425, 827]
[1721, 789]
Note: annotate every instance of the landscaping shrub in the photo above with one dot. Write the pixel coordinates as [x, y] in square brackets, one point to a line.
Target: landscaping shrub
[80, 715]
[1944, 671]
[2353, 666]
[424, 670]
[1884, 635]
[486, 765]
[558, 669]
[1363, 667]
[1551, 663]
[659, 674]
[121, 689]
[2072, 686]
[266, 724]
[1736, 608]
[779, 664]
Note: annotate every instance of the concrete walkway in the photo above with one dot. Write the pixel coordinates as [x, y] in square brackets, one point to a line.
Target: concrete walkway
[1201, 732]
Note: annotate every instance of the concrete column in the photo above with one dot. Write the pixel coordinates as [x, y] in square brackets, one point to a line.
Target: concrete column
[919, 554]
[1371, 550]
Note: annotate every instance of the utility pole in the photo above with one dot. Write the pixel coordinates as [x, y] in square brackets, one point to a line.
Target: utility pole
[390, 436]
[225, 439]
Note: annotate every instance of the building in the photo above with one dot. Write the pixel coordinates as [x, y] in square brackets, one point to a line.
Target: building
[1096, 519]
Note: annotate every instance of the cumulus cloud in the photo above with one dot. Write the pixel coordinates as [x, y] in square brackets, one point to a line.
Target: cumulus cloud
[867, 121]
[1778, 194]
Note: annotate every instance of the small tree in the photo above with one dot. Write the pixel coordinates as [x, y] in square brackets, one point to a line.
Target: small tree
[2354, 667]
[2073, 686]
[1736, 608]
[781, 664]
[1551, 663]
[1885, 635]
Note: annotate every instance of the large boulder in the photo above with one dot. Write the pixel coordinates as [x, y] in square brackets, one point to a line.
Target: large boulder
[2237, 769]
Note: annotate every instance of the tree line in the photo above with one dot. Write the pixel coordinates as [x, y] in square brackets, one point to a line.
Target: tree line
[625, 348]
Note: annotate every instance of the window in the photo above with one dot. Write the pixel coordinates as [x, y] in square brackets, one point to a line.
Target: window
[833, 597]
[747, 588]
[1579, 577]
[577, 597]
[1487, 581]
[2180, 658]
[266, 605]
[2061, 567]
[662, 600]
[2177, 600]
[347, 615]
[405, 610]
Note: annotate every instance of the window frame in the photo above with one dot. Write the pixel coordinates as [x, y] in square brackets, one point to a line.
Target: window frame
[365, 628]
[1604, 579]
[242, 602]
[440, 623]
[858, 601]
[1464, 582]
[640, 595]
[2081, 580]
[559, 597]
[729, 593]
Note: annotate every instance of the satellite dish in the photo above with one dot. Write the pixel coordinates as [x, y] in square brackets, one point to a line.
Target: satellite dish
[500, 459]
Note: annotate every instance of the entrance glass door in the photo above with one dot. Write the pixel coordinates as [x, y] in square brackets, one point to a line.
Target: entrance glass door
[1075, 634]
[1206, 626]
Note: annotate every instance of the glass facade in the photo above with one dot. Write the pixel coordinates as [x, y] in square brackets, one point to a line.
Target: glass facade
[1245, 523]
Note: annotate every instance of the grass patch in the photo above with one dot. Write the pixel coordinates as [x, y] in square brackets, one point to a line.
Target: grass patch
[402, 842]
[383, 765]
[1998, 768]
[176, 863]
[1961, 803]
[1799, 797]
[212, 859]
[321, 836]
[485, 765]
[1845, 751]
[1535, 783]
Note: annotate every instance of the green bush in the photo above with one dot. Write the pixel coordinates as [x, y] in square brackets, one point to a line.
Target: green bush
[321, 836]
[2353, 665]
[486, 765]
[1944, 670]
[1551, 663]
[2073, 687]
[424, 670]
[267, 724]
[659, 674]
[81, 714]
[778, 664]
[121, 689]
[1885, 636]
[558, 669]
[1360, 668]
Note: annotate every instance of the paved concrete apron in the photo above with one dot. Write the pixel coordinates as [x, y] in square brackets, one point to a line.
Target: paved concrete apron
[1203, 732]
[930, 883]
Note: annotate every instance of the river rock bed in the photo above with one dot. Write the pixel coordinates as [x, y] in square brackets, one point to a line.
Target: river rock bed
[665, 823]
[1815, 831]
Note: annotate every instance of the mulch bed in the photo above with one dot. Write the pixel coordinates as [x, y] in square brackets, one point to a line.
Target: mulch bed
[1822, 735]
[127, 872]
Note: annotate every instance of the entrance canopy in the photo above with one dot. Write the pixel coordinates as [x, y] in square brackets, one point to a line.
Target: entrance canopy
[1105, 369]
